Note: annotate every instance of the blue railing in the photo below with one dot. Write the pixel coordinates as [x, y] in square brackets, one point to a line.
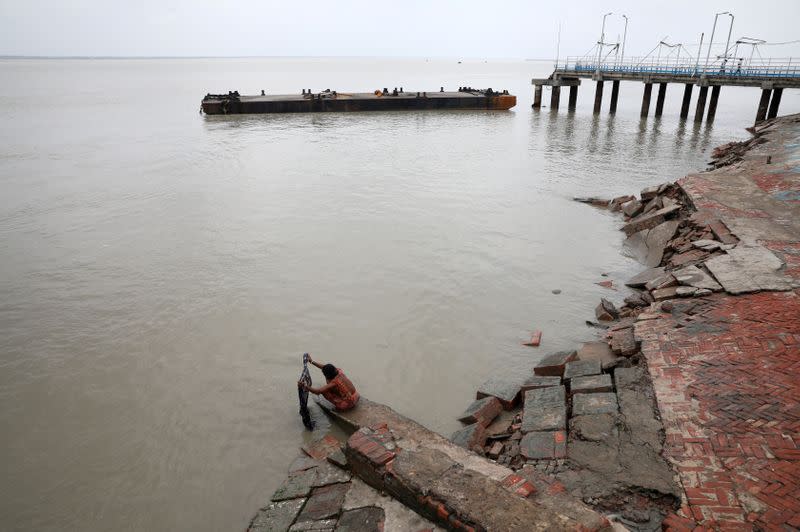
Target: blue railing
[732, 69]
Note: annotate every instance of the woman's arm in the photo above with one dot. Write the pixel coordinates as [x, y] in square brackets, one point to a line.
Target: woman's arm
[315, 363]
[317, 391]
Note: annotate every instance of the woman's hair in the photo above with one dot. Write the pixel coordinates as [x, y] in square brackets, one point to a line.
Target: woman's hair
[330, 371]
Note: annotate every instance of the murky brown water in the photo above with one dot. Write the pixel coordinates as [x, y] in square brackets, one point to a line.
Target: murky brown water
[162, 272]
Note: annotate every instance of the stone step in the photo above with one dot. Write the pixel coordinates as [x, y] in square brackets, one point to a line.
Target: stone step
[545, 410]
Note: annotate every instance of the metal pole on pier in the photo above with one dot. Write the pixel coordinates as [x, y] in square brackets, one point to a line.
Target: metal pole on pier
[728, 44]
[699, 49]
[711, 42]
[624, 36]
[602, 38]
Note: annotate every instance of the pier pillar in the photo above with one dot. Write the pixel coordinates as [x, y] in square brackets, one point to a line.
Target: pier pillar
[598, 96]
[775, 103]
[687, 100]
[662, 93]
[762, 105]
[712, 104]
[555, 97]
[573, 97]
[614, 96]
[648, 91]
[537, 97]
[701, 104]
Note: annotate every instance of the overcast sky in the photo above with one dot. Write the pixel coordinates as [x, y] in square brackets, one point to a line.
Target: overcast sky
[404, 28]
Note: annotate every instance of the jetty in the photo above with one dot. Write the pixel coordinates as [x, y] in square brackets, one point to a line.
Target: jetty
[771, 77]
[380, 100]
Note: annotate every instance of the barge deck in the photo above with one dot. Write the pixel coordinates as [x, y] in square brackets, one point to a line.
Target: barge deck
[333, 101]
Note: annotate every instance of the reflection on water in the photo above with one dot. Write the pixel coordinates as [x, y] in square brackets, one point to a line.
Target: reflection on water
[163, 271]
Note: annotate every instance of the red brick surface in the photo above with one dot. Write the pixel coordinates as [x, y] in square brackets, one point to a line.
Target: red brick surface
[728, 388]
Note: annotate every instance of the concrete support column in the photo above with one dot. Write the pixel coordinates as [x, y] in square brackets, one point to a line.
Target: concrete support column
[662, 94]
[762, 105]
[701, 104]
[598, 96]
[712, 104]
[555, 97]
[775, 103]
[573, 97]
[537, 97]
[648, 91]
[687, 100]
[614, 96]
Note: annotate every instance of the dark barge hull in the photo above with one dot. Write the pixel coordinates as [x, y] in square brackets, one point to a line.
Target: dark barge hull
[341, 102]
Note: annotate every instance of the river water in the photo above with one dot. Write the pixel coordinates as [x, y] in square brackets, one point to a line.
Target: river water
[161, 272]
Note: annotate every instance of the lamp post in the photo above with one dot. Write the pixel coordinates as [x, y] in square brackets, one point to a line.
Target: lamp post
[728, 44]
[602, 38]
[624, 36]
[711, 42]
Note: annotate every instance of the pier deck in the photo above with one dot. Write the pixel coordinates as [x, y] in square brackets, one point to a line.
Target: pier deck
[771, 78]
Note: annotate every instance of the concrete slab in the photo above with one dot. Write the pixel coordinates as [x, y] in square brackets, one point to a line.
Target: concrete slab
[647, 221]
[599, 351]
[544, 445]
[538, 381]
[639, 280]
[470, 436]
[594, 403]
[697, 278]
[591, 384]
[482, 411]
[366, 519]
[324, 525]
[553, 364]
[648, 245]
[397, 517]
[623, 342]
[594, 427]
[505, 387]
[545, 409]
[580, 368]
[749, 268]
[277, 516]
[324, 503]
[296, 486]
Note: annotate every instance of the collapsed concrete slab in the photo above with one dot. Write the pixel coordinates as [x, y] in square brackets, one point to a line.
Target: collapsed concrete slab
[749, 268]
[697, 278]
[591, 384]
[599, 351]
[641, 279]
[506, 388]
[548, 445]
[647, 221]
[580, 368]
[594, 403]
[471, 492]
[537, 381]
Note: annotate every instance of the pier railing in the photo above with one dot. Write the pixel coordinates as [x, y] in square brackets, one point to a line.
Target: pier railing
[771, 68]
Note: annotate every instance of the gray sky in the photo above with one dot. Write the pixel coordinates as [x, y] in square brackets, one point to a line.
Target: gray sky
[405, 28]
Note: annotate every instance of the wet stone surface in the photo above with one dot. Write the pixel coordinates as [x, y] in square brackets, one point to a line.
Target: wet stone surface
[594, 403]
[544, 445]
[369, 519]
[545, 409]
[324, 503]
[581, 368]
[276, 517]
[591, 384]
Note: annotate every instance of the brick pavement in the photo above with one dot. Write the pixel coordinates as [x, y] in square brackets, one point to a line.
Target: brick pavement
[726, 377]
[727, 388]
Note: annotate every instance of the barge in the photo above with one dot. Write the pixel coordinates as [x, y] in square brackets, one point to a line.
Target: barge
[333, 101]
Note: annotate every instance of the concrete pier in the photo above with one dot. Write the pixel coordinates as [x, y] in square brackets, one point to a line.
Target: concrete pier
[573, 97]
[537, 97]
[775, 103]
[701, 104]
[598, 96]
[712, 105]
[614, 96]
[761, 115]
[648, 91]
[555, 97]
[662, 93]
[687, 100]
[774, 76]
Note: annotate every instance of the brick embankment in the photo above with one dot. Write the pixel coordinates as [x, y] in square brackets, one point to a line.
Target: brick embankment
[726, 374]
